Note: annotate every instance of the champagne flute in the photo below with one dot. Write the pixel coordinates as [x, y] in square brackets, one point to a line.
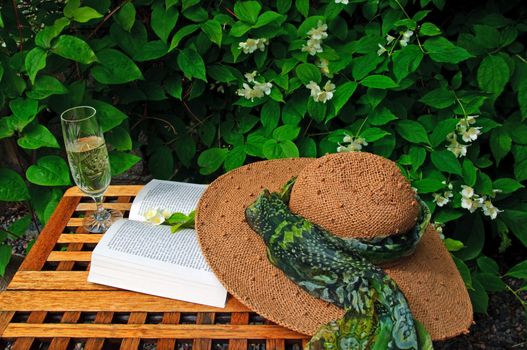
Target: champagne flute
[89, 163]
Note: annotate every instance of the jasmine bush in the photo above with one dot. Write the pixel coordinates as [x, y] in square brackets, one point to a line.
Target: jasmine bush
[204, 87]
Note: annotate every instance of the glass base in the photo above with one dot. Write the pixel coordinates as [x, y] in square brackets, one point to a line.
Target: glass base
[99, 222]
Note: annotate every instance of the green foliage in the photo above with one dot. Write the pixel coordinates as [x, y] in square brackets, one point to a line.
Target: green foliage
[167, 79]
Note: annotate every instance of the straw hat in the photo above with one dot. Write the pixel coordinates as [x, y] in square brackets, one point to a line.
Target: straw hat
[353, 194]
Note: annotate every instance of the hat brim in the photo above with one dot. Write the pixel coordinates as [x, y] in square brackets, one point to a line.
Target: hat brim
[429, 278]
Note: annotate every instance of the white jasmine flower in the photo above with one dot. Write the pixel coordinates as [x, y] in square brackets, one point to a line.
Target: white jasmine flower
[316, 35]
[343, 2]
[471, 119]
[246, 92]
[220, 89]
[471, 134]
[154, 216]
[313, 47]
[251, 45]
[319, 32]
[250, 76]
[389, 39]
[406, 38]
[166, 213]
[471, 204]
[314, 89]
[490, 210]
[341, 148]
[467, 191]
[323, 65]
[455, 147]
[347, 138]
[440, 200]
[439, 229]
[381, 50]
[265, 88]
[327, 93]
[355, 144]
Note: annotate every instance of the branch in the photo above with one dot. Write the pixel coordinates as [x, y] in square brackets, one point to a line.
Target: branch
[108, 16]
[19, 26]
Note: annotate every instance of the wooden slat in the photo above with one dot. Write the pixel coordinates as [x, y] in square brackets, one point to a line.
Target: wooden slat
[67, 265]
[241, 318]
[25, 343]
[92, 301]
[112, 191]
[203, 343]
[61, 343]
[69, 256]
[36, 257]
[92, 206]
[135, 318]
[80, 238]
[168, 343]
[149, 331]
[54, 280]
[96, 343]
[5, 318]
[74, 222]
[274, 344]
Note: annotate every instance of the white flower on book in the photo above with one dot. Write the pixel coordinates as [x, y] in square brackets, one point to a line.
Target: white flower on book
[156, 216]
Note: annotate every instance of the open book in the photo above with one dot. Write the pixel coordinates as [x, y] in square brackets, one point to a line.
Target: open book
[143, 257]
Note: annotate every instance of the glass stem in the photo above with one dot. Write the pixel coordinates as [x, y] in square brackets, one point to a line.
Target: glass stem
[100, 212]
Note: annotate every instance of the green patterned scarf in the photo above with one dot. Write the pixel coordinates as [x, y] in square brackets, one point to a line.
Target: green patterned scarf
[342, 272]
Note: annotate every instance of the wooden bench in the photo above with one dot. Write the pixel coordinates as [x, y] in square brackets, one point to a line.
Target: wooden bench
[50, 305]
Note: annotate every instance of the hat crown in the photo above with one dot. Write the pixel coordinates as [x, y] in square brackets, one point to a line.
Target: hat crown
[355, 195]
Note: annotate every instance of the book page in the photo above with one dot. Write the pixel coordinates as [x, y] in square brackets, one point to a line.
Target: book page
[149, 244]
[170, 195]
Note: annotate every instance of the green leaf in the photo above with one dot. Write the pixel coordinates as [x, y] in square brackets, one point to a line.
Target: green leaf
[364, 65]
[378, 82]
[235, 158]
[273, 149]
[108, 116]
[35, 62]
[115, 68]
[307, 147]
[210, 160]
[500, 143]
[119, 138]
[126, 16]
[342, 95]
[381, 116]
[441, 50]
[163, 20]
[24, 111]
[429, 29]
[307, 72]
[428, 185]
[507, 185]
[441, 130]
[493, 74]
[453, 245]
[490, 282]
[12, 186]
[20, 226]
[46, 35]
[471, 232]
[6, 127]
[151, 50]
[446, 215]
[44, 201]
[522, 100]
[73, 48]
[488, 265]
[213, 30]
[191, 63]
[180, 34]
[185, 150]
[268, 17]
[424, 338]
[479, 297]
[372, 134]
[469, 172]
[519, 271]
[84, 14]
[516, 220]
[412, 131]
[247, 11]
[286, 133]
[439, 98]
[317, 110]
[120, 162]
[46, 86]
[406, 61]
[446, 161]
[5, 256]
[464, 272]
[36, 136]
[302, 6]
[270, 116]
[161, 163]
[49, 171]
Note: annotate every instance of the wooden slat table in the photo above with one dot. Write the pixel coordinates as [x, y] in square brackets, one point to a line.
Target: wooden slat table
[50, 305]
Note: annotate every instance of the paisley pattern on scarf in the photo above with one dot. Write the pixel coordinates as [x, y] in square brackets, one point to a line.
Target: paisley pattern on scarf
[342, 272]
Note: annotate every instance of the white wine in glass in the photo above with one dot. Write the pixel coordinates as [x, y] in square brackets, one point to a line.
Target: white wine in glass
[89, 163]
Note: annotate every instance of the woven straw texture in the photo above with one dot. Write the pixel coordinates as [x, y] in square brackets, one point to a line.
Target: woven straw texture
[429, 279]
[355, 194]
